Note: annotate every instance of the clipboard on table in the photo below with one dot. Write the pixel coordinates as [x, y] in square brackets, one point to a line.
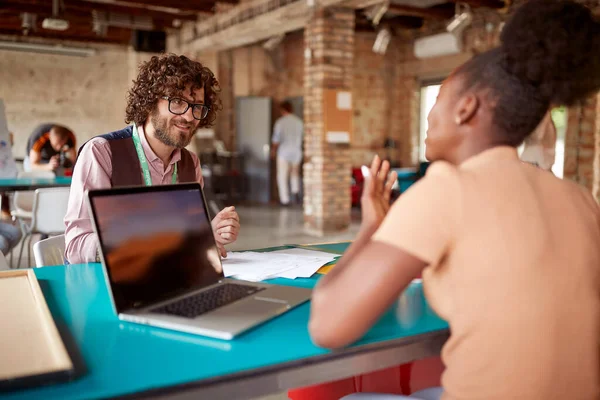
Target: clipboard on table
[33, 352]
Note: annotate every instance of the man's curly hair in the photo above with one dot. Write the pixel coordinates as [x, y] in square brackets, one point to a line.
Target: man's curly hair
[168, 75]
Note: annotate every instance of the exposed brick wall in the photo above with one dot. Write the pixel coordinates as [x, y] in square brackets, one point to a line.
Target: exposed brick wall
[386, 89]
[330, 37]
[280, 74]
[373, 89]
[580, 143]
[291, 82]
[225, 123]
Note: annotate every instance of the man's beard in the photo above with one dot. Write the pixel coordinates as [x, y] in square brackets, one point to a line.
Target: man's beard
[162, 127]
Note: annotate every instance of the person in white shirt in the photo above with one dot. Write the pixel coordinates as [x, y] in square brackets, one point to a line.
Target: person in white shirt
[287, 146]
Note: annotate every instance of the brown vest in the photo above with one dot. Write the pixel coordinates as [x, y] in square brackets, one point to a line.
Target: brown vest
[126, 169]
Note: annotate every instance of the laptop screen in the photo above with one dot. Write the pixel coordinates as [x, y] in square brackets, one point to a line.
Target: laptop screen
[156, 242]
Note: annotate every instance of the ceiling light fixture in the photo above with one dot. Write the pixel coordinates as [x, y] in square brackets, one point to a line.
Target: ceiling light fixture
[462, 18]
[382, 41]
[28, 22]
[55, 23]
[272, 43]
[376, 12]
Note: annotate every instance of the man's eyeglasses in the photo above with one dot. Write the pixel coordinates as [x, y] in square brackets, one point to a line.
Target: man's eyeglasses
[179, 106]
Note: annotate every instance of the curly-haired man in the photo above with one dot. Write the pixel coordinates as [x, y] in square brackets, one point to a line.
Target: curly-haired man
[171, 98]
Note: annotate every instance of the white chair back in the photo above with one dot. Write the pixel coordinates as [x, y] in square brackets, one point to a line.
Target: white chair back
[23, 199]
[49, 209]
[50, 251]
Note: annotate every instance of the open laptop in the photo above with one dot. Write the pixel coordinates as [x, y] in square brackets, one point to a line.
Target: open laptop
[163, 268]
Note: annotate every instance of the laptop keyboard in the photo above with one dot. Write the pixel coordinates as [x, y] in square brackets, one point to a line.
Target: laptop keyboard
[219, 296]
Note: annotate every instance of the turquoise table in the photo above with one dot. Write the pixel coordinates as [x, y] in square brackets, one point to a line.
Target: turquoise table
[406, 177]
[13, 185]
[118, 359]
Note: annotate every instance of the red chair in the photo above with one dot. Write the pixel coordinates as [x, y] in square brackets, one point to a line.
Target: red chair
[356, 186]
[404, 379]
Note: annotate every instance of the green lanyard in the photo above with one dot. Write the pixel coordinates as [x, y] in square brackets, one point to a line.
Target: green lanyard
[144, 162]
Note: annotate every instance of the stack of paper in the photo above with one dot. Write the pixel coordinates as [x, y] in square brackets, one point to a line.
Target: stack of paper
[289, 263]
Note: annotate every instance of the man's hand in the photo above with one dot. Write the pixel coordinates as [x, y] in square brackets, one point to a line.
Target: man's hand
[375, 200]
[226, 226]
[53, 163]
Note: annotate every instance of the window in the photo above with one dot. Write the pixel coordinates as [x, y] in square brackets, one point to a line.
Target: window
[428, 96]
[559, 117]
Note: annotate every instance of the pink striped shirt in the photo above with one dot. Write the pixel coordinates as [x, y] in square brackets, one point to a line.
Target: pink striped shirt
[93, 171]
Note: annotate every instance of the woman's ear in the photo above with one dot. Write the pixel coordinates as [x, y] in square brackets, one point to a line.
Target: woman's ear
[466, 108]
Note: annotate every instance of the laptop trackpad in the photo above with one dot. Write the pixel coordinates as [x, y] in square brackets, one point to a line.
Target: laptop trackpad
[250, 310]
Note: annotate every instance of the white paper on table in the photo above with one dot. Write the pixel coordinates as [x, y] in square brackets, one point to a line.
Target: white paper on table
[289, 263]
[254, 266]
[305, 253]
[309, 262]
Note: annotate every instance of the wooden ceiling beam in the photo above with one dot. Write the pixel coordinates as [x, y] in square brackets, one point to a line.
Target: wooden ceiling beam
[437, 12]
[72, 17]
[137, 11]
[167, 6]
[74, 11]
[74, 33]
[223, 31]
[363, 24]
[497, 4]
[87, 7]
[75, 19]
[230, 33]
[405, 22]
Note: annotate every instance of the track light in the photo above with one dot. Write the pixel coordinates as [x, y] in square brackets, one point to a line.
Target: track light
[382, 41]
[462, 18]
[272, 43]
[376, 12]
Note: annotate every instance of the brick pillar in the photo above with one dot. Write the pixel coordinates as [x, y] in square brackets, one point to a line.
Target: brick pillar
[580, 143]
[329, 45]
[405, 113]
[225, 124]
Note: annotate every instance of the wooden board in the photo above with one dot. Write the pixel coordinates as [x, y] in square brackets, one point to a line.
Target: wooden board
[231, 29]
[31, 347]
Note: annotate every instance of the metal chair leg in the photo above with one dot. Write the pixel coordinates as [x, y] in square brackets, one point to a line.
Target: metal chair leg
[29, 251]
[23, 240]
